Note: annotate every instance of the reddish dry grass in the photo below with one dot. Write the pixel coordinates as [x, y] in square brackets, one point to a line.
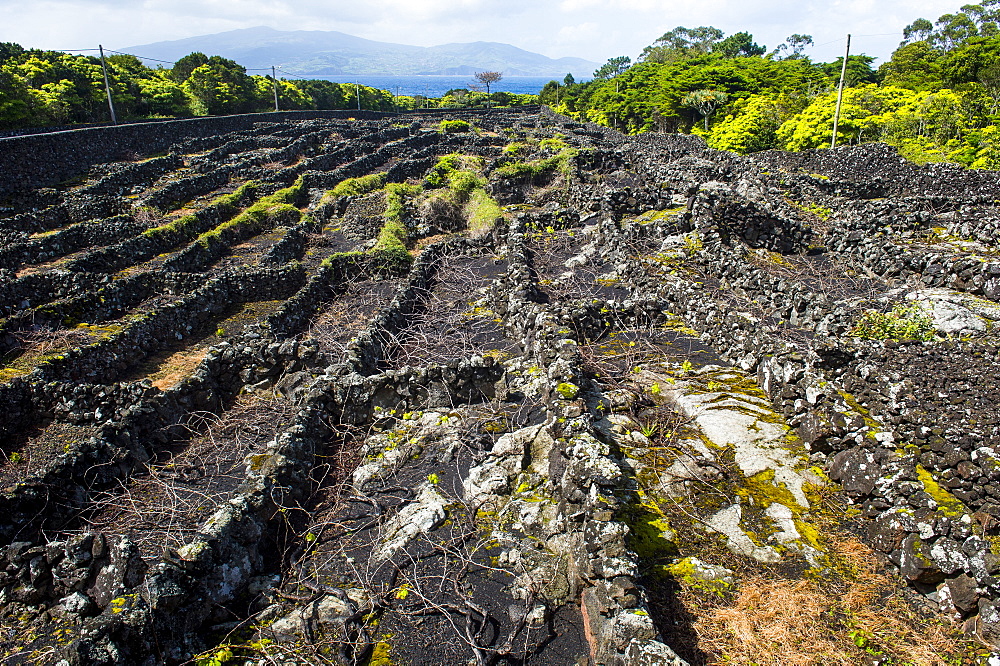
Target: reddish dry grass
[860, 618]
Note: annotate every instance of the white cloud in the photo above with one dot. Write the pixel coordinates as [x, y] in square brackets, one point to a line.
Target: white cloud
[592, 29]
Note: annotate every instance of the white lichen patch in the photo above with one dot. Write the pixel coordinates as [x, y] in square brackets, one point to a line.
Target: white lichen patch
[734, 441]
[727, 522]
[731, 416]
[427, 512]
[954, 312]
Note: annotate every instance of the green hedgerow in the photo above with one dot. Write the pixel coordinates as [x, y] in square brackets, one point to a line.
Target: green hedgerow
[358, 186]
[395, 199]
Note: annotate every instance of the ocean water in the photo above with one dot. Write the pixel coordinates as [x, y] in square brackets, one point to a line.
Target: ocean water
[436, 86]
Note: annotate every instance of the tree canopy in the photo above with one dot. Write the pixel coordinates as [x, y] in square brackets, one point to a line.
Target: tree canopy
[44, 88]
[936, 99]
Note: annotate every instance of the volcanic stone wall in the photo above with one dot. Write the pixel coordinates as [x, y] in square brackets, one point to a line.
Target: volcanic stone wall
[513, 440]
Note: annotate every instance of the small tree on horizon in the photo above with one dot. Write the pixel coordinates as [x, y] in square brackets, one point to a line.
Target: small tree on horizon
[487, 79]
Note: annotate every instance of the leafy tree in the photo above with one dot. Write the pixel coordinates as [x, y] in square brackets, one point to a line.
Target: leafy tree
[753, 123]
[502, 98]
[681, 43]
[10, 50]
[794, 46]
[549, 94]
[952, 31]
[182, 69]
[924, 125]
[127, 65]
[568, 80]
[859, 70]
[705, 102]
[978, 61]
[915, 65]
[162, 96]
[740, 45]
[289, 94]
[919, 30]
[613, 67]
[325, 94]
[220, 86]
[15, 101]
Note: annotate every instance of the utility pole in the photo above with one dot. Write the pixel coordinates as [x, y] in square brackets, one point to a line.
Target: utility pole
[357, 89]
[274, 82]
[840, 93]
[107, 86]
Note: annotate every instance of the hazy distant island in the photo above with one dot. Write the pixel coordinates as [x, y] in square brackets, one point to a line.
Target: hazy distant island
[328, 53]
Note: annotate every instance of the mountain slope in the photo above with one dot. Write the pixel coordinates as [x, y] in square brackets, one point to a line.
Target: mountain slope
[315, 52]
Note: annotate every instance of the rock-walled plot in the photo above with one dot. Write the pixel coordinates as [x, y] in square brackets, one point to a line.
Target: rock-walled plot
[353, 390]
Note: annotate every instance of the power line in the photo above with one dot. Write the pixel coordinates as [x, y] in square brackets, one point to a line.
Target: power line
[165, 62]
[304, 78]
[816, 46]
[171, 62]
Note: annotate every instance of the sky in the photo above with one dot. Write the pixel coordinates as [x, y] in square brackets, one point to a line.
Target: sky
[592, 29]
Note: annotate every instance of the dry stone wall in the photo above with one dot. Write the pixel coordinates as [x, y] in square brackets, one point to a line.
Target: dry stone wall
[518, 440]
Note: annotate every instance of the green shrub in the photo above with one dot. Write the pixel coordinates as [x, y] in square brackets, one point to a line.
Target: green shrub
[342, 256]
[904, 322]
[438, 175]
[454, 126]
[463, 182]
[357, 186]
[558, 162]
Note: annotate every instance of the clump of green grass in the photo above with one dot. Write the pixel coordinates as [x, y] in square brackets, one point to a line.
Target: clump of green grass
[391, 237]
[454, 126]
[517, 148]
[904, 322]
[255, 219]
[483, 211]
[554, 144]
[290, 195]
[558, 162]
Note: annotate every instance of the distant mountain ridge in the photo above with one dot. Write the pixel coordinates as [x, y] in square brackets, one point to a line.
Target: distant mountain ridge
[330, 53]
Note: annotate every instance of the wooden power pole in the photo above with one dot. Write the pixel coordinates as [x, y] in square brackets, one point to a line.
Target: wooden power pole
[107, 86]
[840, 92]
[274, 82]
